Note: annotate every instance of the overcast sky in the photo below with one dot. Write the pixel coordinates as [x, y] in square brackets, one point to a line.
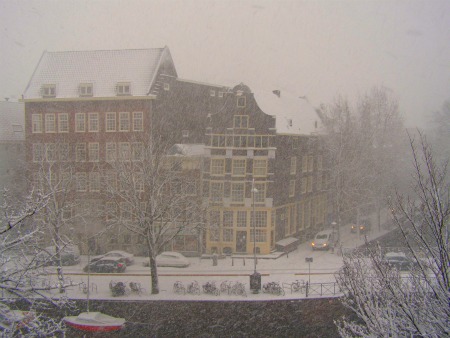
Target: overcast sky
[320, 49]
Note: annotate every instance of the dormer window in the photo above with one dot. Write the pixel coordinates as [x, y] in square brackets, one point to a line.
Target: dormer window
[123, 88]
[48, 90]
[85, 89]
[241, 101]
[166, 86]
[212, 92]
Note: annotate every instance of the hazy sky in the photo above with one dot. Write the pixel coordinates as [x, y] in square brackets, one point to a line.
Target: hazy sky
[315, 48]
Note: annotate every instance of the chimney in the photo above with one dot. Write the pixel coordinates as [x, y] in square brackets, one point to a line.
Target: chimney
[277, 92]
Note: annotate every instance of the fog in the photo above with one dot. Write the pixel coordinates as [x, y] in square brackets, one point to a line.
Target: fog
[316, 49]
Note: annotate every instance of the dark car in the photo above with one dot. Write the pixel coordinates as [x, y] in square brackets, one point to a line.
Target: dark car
[70, 255]
[106, 265]
[399, 261]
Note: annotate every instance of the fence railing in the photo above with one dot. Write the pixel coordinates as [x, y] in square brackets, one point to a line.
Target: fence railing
[322, 289]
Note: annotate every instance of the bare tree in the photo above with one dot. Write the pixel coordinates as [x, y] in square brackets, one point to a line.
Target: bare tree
[153, 195]
[19, 272]
[414, 303]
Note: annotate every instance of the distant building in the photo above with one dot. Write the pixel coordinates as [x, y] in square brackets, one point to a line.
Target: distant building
[82, 109]
[12, 147]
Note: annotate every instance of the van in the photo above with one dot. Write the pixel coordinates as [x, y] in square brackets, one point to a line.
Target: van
[324, 240]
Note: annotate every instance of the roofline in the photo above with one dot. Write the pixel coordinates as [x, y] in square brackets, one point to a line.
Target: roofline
[203, 83]
[84, 99]
[152, 82]
[34, 71]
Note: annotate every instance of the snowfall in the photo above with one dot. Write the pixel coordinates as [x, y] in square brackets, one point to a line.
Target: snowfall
[276, 267]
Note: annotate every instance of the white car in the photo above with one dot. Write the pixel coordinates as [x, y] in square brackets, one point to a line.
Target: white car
[172, 259]
[123, 256]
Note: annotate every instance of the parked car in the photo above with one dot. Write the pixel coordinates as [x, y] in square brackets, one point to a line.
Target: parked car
[170, 259]
[70, 255]
[106, 265]
[324, 240]
[123, 256]
[399, 261]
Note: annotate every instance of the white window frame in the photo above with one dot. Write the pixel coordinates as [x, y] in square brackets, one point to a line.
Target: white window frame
[81, 181]
[80, 122]
[63, 123]
[124, 151]
[212, 92]
[64, 152]
[166, 86]
[260, 195]
[36, 122]
[137, 151]
[217, 170]
[51, 152]
[94, 181]
[50, 123]
[124, 121]
[38, 152]
[86, 89]
[94, 151]
[237, 192]
[48, 90]
[237, 169]
[80, 152]
[138, 121]
[215, 191]
[259, 170]
[110, 121]
[123, 88]
[291, 188]
[240, 121]
[93, 125]
[241, 101]
[111, 151]
[293, 167]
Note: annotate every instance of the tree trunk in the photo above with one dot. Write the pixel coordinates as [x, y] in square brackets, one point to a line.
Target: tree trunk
[154, 272]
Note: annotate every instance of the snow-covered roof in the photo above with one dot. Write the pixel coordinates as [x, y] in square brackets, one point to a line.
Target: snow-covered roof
[103, 68]
[187, 150]
[294, 114]
[12, 121]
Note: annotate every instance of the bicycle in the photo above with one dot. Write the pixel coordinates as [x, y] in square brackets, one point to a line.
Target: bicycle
[136, 288]
[211, 288]
[193, 288]
[225, 286]
[298, 286]
[179, 288]
[238, 289]
[273, 288]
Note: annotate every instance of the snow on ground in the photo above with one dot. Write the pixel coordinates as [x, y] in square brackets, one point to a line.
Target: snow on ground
[284, 269]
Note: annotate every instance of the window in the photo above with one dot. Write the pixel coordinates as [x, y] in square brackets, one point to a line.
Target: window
[111, 181]
[185, 133]
[293, 165]
[259, 167]
[241, 219]
[260, 219]
[110, 122]
[38, 152]
[50, 123]
[124, 121]
[291, 188]
[309, 187]
[124, 151]
[260, 194]
[240, 121]
[217, 166]
[214, 234]
[139, 182]
[137, 151]
[80, 122]
[166, 86]
[191, 188]
[81, 182]
[110, 151]
[138, 121]
[218, 140]
[212, 92]
[304, 163]
[240, 141]
[220, 94]
[227, 235]
[50, 152]
[64, 154]
[237, 192]
[228, 219]
[94, 181]
[125, 211]
[319, 162]
[261, 141]
[80, 152]
[93, 152]
[48, 90]
[85, 89]
[216, 191]
[93, 122]
[241, 102]
[310, 163]
[295, 143]
[239, 167]
[63, 120]
[36, 123]
[123, 88]
[304, 185]
[319, 182]
[259, 236]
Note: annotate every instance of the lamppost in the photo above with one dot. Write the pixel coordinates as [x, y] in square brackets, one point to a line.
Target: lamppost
[255, 278]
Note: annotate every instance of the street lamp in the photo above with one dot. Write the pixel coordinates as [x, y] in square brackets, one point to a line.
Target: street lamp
[255, 278]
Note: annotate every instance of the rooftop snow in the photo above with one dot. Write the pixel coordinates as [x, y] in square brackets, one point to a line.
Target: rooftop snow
[103, 68]
[294, 115]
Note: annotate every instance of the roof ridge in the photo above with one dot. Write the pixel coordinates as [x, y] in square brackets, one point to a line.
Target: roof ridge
[103, 50]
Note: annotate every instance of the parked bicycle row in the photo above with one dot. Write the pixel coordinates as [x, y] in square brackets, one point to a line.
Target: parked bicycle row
[211, 288]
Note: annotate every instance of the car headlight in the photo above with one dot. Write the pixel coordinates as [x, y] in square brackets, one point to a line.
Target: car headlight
[313, 244]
